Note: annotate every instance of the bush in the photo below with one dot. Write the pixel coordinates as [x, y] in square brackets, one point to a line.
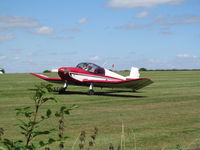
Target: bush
[30, 125]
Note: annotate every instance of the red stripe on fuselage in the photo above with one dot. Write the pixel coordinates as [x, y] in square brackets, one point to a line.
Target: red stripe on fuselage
[64, 73]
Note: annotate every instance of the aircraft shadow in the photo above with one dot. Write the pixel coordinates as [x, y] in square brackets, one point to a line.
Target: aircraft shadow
[109, 93]
[122, 91]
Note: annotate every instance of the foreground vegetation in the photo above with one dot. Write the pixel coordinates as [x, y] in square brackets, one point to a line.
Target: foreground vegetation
[164, 115]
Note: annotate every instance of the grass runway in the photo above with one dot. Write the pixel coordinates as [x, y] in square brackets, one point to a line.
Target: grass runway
[160, 116]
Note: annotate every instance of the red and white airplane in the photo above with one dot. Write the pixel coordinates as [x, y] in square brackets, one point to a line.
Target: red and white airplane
[89, 74]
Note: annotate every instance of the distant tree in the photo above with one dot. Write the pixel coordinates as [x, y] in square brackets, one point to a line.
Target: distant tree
[143, 69]
[46, 71]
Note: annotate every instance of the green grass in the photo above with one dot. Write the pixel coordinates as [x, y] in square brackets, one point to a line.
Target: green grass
[161, 116]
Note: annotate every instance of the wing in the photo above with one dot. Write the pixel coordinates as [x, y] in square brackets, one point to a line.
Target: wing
[53, 80]
[131, 83]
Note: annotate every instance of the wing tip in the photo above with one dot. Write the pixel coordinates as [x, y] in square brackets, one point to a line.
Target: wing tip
[39, 75]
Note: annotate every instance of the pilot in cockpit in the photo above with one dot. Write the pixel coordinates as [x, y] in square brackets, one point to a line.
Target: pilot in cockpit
[85, 66]
[89, 68]
[92, 68]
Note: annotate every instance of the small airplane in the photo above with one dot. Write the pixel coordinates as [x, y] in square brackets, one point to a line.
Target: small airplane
[89, 74]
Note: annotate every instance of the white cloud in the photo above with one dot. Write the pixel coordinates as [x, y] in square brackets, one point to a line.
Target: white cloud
[95, 58]
[82, 20]
[2, 57]
[186, 56]
[44, 30]
[139, 3]
[5, 37]
[143, 14]
[9, 22]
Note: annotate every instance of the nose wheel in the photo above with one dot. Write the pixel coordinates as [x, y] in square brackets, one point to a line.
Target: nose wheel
[63, 89]
[91, 91]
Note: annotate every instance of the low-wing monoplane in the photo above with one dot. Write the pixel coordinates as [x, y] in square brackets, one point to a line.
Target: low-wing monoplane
[89, 74]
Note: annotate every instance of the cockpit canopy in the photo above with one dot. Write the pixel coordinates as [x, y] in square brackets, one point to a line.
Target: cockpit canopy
[92, 68]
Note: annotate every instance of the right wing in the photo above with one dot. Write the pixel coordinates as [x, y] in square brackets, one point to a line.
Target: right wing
[130, 83]
[53, 80]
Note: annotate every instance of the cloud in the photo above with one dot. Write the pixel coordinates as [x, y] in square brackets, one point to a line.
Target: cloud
[82, 20]
[131, 26]
[95, 58]
[128, 26]
[64, 53]
[72, 29]
[11, 22]
[140, 3]
[173, 63]
[64, 38]
[186, 56]
[5, 37]
[2, 57]
[44, 30]
[16, 58]
[15, 50]
[177, 20]
[164, 22]
[166, 32]
[143, 14]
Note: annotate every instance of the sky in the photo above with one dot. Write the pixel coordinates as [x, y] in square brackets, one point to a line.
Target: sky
[38, 35]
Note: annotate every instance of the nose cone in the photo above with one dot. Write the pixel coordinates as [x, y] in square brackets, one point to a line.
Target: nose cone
[63, 72]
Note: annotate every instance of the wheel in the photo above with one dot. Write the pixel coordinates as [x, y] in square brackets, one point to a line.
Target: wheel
[61, 91]
[91, 92]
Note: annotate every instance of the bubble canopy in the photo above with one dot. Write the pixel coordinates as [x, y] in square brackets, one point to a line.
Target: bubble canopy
[92, 68]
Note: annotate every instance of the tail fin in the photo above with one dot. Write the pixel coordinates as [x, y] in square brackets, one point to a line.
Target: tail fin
[134, 73]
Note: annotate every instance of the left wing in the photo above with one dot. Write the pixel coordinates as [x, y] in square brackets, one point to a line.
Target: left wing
[54, 80]
[130, 83]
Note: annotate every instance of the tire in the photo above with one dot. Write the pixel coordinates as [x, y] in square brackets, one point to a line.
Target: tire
[91, 92]
[61, 91]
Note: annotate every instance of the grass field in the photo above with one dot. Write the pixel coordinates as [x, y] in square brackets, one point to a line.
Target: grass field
[160, 116]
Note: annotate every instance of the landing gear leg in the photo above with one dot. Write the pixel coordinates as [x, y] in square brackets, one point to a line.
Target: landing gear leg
[91, 91]
[62, 89]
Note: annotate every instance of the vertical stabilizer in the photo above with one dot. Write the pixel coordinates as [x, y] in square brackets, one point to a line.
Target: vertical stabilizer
[134, 73]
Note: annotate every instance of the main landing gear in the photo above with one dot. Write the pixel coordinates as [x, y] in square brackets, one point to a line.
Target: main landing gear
[91, 91]
[62, 89]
